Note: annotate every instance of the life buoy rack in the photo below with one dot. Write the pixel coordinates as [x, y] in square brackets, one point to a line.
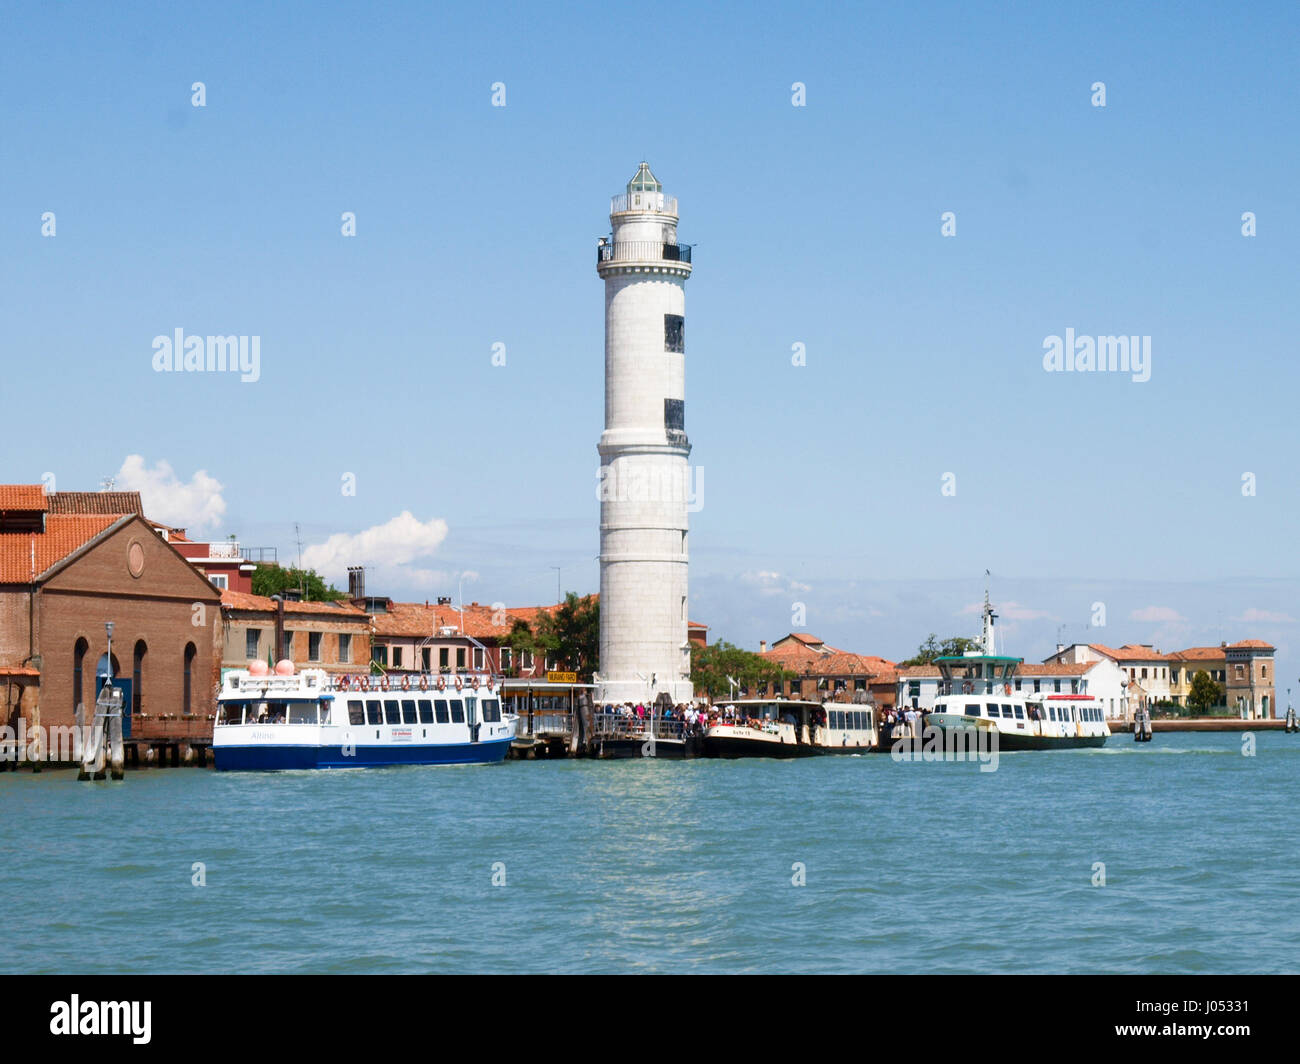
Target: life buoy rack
[967, 687]
[424, 683]
[406, 683]
[442, 683]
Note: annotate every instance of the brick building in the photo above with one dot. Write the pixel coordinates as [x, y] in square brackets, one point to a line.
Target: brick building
[334, 636]
[65, 569]
[1250, 679]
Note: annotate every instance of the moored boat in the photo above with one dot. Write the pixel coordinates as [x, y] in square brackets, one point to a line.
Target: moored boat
[757, 727]
[306, 719]
[979, 706]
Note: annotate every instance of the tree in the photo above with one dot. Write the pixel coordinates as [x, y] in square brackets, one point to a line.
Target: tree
[711, 665]
[270, 579]
[1205, 693]
[953, 646]
[568, 635]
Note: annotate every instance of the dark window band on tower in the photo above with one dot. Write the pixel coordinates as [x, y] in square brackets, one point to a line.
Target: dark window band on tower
[675, 333]
[675, 415]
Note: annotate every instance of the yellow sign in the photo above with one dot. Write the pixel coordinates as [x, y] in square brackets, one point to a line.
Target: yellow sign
[561, 677]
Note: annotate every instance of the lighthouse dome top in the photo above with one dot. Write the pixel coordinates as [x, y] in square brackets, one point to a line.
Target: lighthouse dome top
[644, 181]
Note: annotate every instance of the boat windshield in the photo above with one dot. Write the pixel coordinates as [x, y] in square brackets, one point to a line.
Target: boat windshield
[268, 711]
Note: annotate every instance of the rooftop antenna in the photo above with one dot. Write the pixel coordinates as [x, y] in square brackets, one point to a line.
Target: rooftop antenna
[106, 483]
[302, 583]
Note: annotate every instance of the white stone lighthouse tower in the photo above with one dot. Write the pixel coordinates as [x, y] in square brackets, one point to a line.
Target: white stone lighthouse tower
[645, 484]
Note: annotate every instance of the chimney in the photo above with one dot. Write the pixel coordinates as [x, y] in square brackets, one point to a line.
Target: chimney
[1060, 647]
[356, 582]
[762, 646]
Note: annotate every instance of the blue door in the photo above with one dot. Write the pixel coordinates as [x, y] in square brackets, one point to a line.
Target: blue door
[101, 674]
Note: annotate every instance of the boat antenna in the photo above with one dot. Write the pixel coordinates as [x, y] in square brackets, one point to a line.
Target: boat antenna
[987, 636]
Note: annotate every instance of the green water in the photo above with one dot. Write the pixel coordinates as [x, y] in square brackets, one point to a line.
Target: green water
[662, 866]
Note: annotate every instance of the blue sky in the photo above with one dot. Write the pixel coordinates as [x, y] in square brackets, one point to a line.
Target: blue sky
[817, 225]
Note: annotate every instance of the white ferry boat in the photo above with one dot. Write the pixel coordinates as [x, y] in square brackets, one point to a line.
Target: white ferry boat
[977, 695]
[765, 727]
[293, 720]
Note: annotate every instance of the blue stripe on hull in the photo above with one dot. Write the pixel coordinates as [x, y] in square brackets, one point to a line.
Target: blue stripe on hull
[273, 758]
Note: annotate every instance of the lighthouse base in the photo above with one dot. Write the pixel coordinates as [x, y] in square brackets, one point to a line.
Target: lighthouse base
[616, 692]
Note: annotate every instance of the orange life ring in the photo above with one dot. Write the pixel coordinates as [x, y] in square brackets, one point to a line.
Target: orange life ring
[1006, 688]
[383, 682]
[491, 683]
[967, 687]
[363, 684]
[406, 683]
[459, 683]
[424, 682]
[345, 682]
[475, 682]
[442, 683]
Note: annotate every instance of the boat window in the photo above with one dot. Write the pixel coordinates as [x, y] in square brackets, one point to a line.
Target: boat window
[1051, 712]
[1020, 712]
[230, 713]
[426, 711]
[408, 711]
[302, 713]
[392, 711]
[457, 711]
[440, 707]
[491, 710]
[993, 710]
[374, 714]
[356, 711]
[972, 709]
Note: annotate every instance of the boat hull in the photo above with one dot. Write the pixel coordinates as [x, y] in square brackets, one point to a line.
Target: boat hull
[667, 749]
[273, 758]
[726, 746]
[1010, 741]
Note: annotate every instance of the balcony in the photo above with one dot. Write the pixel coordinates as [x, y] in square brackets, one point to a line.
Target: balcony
[642, 251]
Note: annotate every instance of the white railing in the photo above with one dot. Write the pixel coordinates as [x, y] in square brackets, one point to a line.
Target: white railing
[223, 550]
[643, 201]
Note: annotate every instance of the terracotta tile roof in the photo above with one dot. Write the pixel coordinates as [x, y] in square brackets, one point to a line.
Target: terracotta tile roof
[96, 502]
[1198, 654]
[25, 553]
[1129, 652]
[1053, 669]
[23, 497]
[242, 600]
[1251, 644]
[19, 670]
[917, 672]
[406, 620]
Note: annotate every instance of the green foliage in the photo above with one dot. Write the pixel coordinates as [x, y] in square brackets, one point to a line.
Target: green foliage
[270, 579]
[932, 648]
[569, 636]
[711, 665]
[1205, 694]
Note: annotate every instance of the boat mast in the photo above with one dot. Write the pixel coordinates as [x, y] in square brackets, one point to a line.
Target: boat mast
[987, 635]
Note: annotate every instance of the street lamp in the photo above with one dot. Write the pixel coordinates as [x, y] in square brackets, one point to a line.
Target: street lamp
[108, 667]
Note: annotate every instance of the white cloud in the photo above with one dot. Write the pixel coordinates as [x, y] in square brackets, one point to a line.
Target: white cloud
[1158, 615]
[770, 582]
[196, 506]
[398, 542]
[1256, 616]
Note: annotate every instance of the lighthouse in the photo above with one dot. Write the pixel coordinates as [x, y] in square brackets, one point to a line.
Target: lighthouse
[644, 479]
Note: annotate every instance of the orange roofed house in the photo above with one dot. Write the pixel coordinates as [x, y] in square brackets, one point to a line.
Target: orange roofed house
[825, 673]
[69, 562]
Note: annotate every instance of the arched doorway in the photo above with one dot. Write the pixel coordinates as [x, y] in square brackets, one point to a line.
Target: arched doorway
[78, 664]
